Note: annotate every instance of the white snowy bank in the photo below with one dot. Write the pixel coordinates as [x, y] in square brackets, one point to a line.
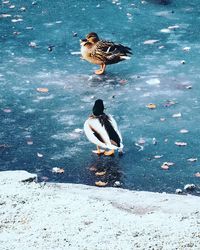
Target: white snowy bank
[69, 216]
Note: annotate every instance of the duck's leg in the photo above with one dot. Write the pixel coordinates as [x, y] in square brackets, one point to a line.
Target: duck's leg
[101, 70]
[98, 151]
[109, 153]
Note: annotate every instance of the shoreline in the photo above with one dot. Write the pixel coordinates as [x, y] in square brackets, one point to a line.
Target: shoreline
[73, 216]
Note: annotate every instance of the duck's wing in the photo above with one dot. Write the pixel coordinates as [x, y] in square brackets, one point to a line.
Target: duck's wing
[110, 52]
[114, 124]
[112, 130]
[96, 133]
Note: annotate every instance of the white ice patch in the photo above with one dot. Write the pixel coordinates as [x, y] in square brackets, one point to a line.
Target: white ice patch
[154, 81]
[66, 136]
[29, 111]
[68, 152]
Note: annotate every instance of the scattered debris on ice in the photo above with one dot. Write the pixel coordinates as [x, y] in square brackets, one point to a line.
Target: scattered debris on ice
[197, 174]
[177, 115]
[184, 131]
[180, 144]
[58, 170]
[192, 159]
[167, 165]
[151, 106]
[101, 183]
[151, 41]
[42, 90]
[189, 187]
[179, 191]
[100, 173]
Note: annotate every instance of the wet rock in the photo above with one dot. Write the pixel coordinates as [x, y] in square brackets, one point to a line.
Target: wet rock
[117, 184]
[179, 191]
[189, 187]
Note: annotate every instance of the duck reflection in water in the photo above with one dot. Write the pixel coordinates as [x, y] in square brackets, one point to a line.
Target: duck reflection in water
[106, 172]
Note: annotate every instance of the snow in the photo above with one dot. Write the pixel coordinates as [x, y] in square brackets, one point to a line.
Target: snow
[69, 216]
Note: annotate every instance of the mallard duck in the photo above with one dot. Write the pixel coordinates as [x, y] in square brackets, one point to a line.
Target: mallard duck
[101, 52]
[102, 130]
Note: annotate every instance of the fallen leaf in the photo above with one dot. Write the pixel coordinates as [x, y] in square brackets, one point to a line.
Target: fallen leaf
[197, 174]
[58, 170]
[100, 173]
[188, 86]
[162, 119]
[39, 155]
[93, 168]
[43, 90]
[166, 165]
[101, 183]
[123, 81]
[177, 115]
[192, 159]
[187, 49]
[173, 27]
[29, 142]
[181, 144]
[165, 30]
[32, 44]
[141, 141]
[7, 110]
[183, 131]
[158, 156]
[151, 41]
[151, 106]
[169, 103]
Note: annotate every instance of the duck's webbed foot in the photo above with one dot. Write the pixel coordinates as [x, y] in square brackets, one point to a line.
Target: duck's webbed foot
[109, 153]
[101, 70]
[98, 151]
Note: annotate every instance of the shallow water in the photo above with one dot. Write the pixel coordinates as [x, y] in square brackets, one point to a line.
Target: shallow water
[40, 131]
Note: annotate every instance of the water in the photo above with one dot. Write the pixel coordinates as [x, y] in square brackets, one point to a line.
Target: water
[49, 124]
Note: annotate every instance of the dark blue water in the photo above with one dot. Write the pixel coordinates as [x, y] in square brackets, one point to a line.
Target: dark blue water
[50, 123]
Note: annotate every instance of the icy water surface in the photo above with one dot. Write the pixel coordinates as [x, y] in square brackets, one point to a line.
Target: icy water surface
[39, 42]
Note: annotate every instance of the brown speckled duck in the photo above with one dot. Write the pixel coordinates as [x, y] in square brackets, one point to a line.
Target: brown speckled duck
[102, 52]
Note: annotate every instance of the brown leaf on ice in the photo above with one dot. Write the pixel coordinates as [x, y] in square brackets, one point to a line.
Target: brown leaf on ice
[43, 90]
[100, 173]
[151, 106]
[101, 183]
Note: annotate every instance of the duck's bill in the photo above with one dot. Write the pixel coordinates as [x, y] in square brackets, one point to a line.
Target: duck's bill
[83, 41]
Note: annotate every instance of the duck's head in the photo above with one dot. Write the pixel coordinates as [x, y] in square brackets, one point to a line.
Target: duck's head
[98, 107]
[92, 37]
